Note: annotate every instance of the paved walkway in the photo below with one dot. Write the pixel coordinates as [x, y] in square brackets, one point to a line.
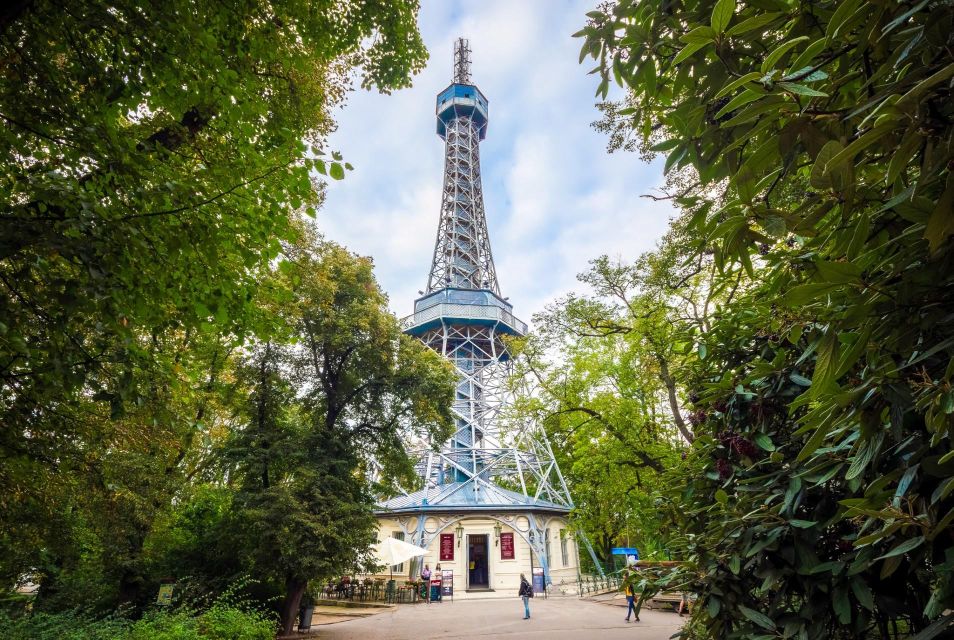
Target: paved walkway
[325, 614]
[553, 619]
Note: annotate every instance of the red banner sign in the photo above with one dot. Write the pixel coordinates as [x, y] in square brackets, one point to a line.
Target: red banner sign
[506, 546]
[447, 546]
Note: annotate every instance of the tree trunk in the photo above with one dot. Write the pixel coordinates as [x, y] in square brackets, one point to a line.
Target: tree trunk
[294, 590]
[49, 583]
[130, 587]
[607, 552]
[132, 581]
[673, 400]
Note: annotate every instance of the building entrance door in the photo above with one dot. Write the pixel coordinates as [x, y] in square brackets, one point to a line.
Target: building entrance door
[477, 574]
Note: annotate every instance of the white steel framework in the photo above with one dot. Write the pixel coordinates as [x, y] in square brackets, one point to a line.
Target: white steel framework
[462, 256]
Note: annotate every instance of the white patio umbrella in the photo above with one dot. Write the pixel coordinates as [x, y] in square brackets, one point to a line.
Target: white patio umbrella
[393, 551]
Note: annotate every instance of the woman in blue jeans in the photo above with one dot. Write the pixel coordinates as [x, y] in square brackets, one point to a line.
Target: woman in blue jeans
[526, 592]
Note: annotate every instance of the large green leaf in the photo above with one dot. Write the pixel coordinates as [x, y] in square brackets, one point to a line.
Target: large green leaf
[826, 365]
[722, 15]
[941, 225]
[805, 293]
[776, 55]
[903, 547]
[821, 173]
[758, 618]
[755, 22]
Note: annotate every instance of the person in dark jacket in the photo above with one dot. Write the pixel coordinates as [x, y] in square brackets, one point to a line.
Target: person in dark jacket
[526, 592]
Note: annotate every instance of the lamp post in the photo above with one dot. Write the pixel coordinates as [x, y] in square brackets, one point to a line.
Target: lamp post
[460, 533]
[531, 555]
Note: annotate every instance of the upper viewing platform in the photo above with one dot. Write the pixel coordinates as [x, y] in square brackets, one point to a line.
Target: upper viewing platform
[462, 101]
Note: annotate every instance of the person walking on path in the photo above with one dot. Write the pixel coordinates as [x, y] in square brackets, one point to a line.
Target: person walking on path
[526, 592]
[630, 597]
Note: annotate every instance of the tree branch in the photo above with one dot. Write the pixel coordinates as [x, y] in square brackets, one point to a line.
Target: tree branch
[209, 200]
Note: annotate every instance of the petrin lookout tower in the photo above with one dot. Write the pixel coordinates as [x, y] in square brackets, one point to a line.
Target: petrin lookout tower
[493, 503]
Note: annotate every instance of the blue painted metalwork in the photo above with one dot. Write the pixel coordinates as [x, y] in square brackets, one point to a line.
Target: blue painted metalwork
[454, 497]
[462, 101]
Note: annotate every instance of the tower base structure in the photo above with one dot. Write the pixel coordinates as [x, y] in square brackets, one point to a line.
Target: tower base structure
[485, 553]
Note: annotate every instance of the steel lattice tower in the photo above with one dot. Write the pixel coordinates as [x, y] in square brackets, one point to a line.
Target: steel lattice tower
[462, 256]
[483, 467]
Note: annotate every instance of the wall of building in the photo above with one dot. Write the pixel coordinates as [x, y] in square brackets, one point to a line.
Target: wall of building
[503, 575]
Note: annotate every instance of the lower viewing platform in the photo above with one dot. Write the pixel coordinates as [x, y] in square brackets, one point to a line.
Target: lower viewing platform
[432, 316]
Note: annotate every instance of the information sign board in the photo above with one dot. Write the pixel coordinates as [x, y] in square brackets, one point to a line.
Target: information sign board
[447, 582]
[165, 594]
[538, 586]
[506, 546]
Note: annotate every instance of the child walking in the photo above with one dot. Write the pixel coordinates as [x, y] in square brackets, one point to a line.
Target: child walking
[630, 597]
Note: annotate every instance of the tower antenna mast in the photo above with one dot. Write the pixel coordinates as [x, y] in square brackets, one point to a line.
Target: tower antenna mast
[462, 61]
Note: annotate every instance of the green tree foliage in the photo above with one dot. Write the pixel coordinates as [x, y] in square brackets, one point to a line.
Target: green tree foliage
[151, 154]
[195, 542]
[611, 400]
[79, 518]
[281, 489]
[343, 394]
[154, 158]
[602, 432]
[817, 502]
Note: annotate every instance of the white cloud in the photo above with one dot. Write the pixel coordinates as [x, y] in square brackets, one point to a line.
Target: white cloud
[554, 198]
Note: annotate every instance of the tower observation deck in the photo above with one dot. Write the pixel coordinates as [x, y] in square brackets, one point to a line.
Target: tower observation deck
[507, 473]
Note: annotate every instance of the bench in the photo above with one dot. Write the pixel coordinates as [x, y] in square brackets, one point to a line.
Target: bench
[670, 598]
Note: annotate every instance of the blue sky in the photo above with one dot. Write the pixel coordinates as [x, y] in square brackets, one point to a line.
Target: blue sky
[554, 198]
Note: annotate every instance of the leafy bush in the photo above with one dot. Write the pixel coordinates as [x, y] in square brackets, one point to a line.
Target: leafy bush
[68, 625]
[223, 621]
